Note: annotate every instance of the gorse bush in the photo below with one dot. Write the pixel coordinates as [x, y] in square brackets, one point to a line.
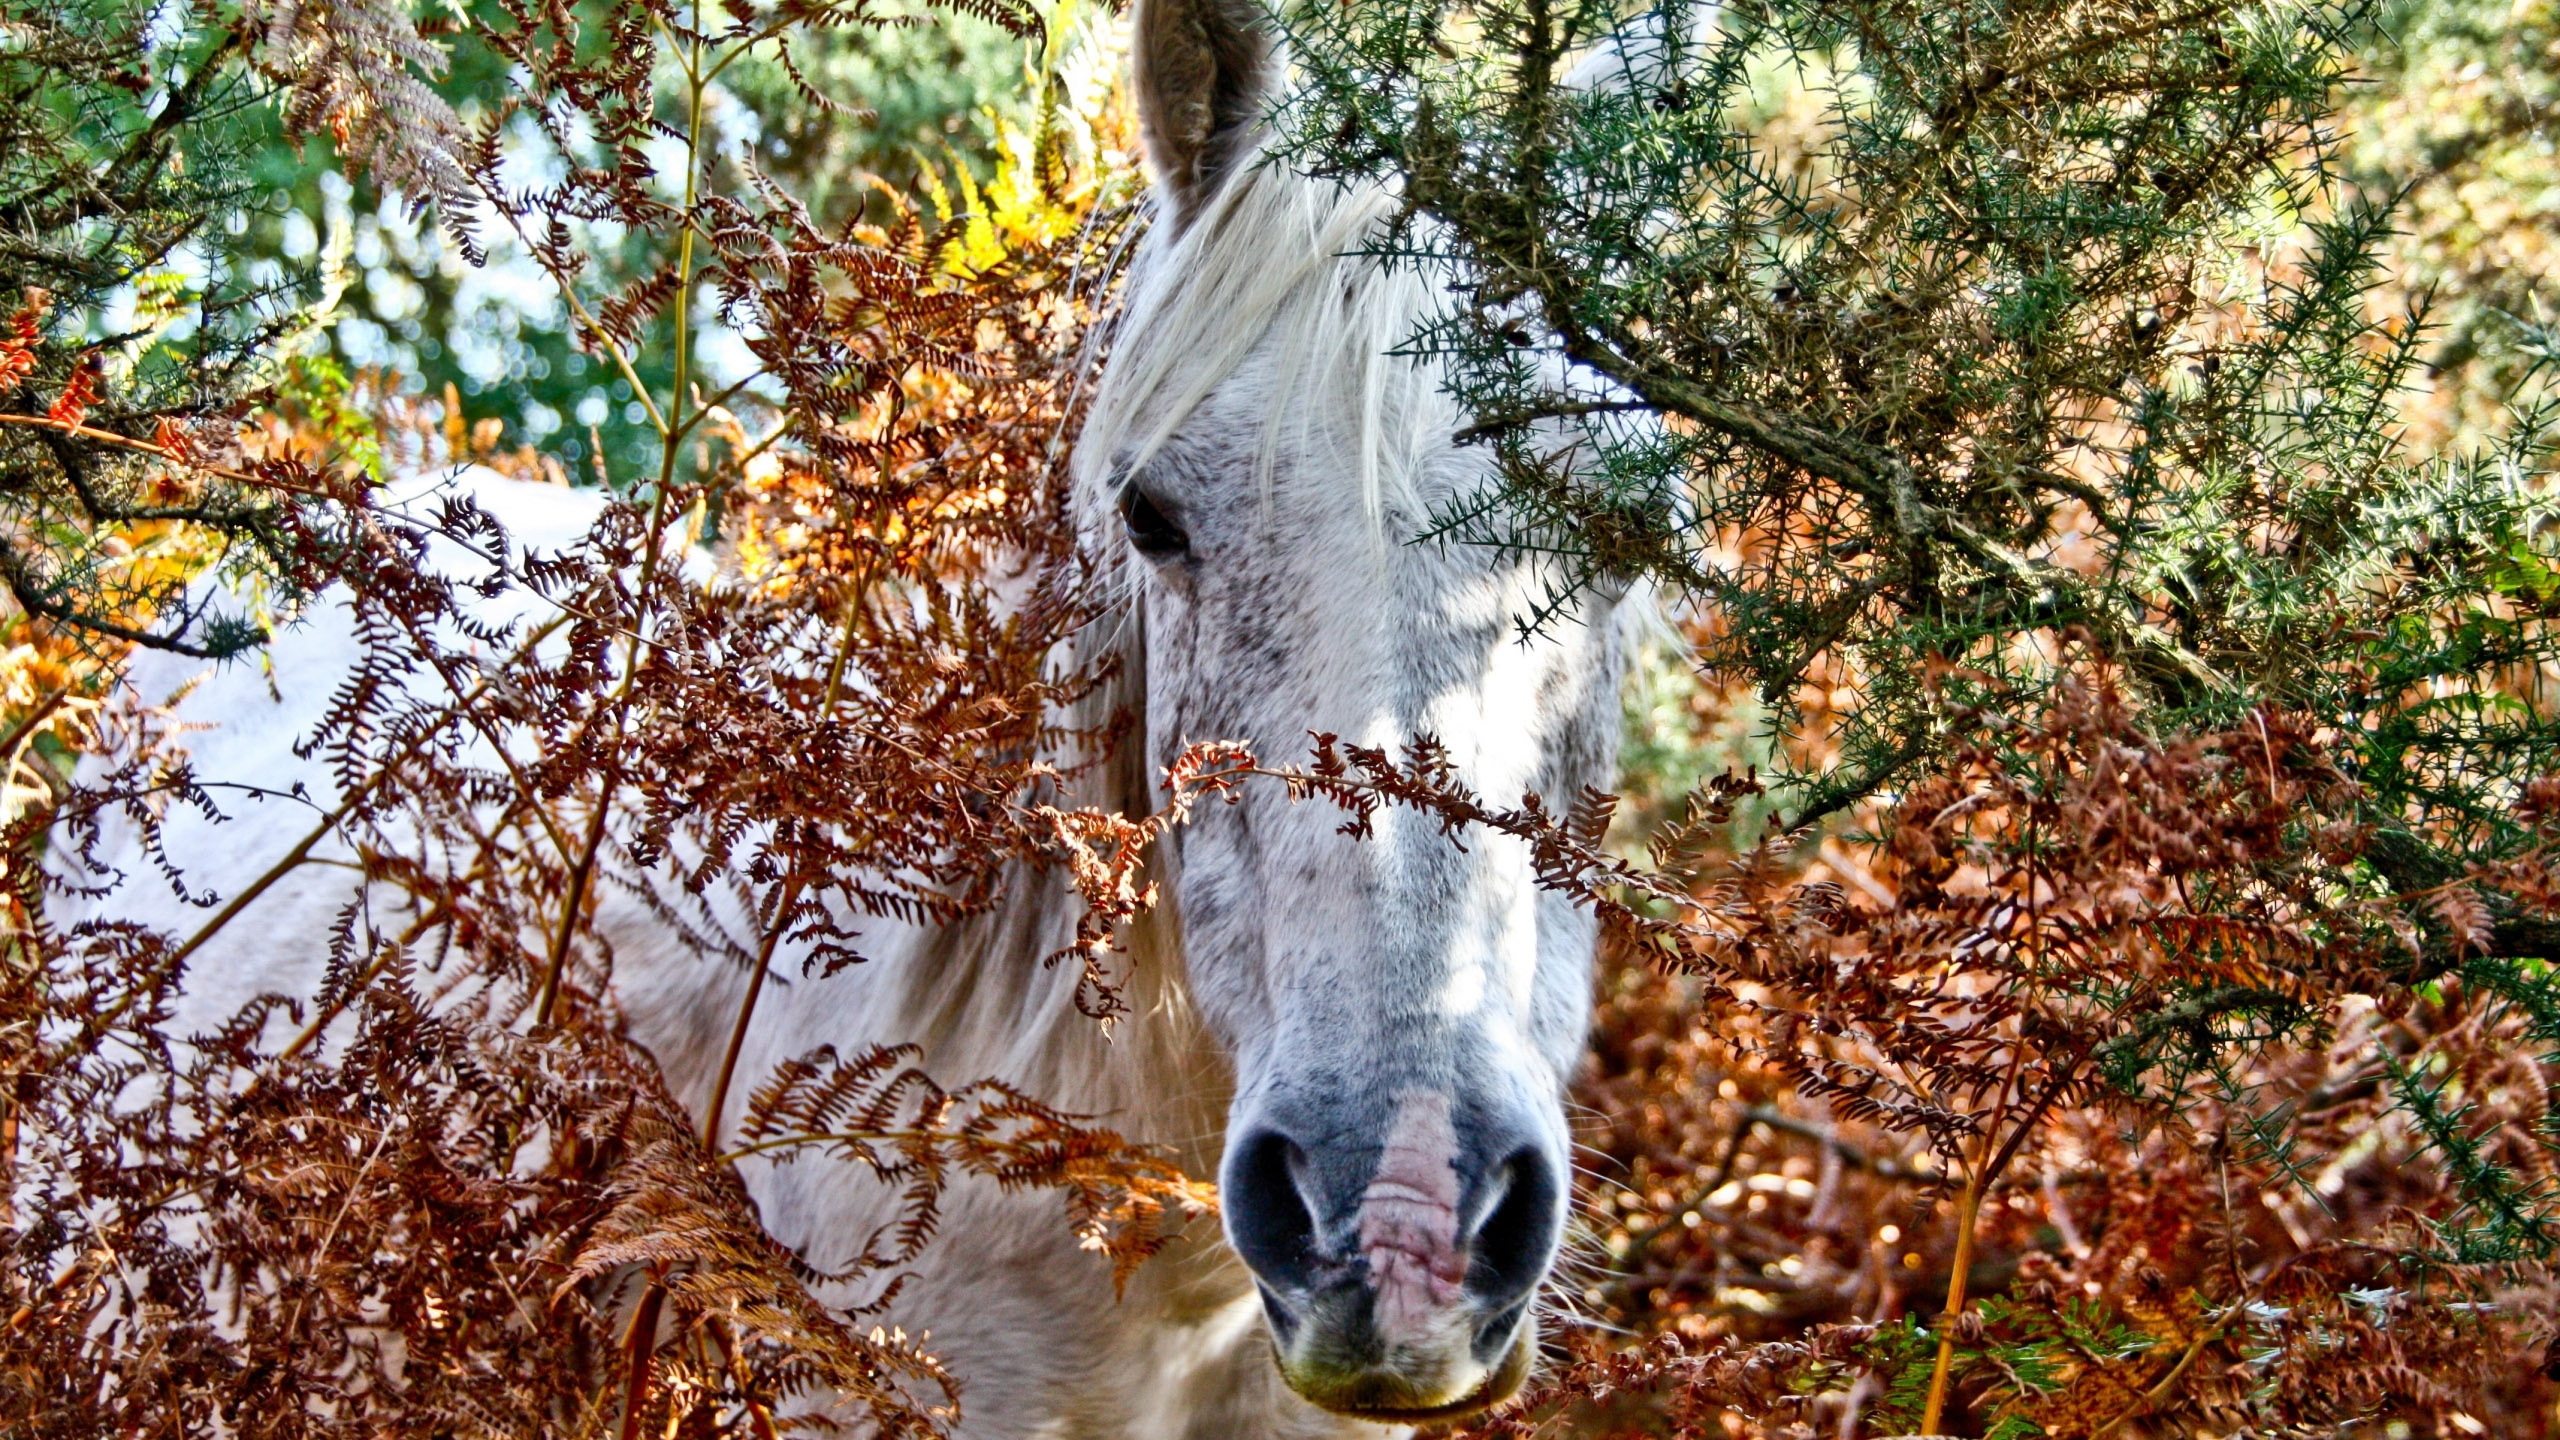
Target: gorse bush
[2001, 392]
[127, 145]
[2048, 319]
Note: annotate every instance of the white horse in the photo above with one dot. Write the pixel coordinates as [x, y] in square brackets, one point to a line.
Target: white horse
[1366, 1041]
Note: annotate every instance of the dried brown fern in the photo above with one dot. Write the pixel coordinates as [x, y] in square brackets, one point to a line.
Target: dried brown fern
[445, 1194]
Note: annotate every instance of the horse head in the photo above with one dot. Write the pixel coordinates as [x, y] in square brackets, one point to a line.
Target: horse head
[1402, 1011]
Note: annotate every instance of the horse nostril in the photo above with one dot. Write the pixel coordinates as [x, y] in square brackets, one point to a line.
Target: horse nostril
[1267, 1217]
[1512, 1246]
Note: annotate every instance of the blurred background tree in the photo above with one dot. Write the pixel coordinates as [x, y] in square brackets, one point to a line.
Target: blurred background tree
[2454, 118]
[931, 91]
[261, 248]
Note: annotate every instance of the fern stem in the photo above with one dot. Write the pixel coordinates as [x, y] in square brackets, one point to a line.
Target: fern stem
[73, 429]
[583, 870]
[574, 894]
[2152, 1397]
[1967, 1210]
[670, 441]
[743, 1376]
[678, 423]
[746, 1013]
[781, 911]
[639, 1344]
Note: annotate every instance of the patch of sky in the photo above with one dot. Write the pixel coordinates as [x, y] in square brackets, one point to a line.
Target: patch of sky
[167, 25]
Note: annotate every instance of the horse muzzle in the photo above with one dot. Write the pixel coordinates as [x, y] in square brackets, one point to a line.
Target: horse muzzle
[1332, 1351]
[1397, 1275]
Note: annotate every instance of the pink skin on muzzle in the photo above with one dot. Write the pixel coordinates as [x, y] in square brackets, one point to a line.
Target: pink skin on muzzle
[1409, 1222]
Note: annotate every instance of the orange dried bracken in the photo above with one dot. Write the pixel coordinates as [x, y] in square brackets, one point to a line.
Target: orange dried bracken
[430, 1209]
[18, 346]
[1792, 1078]
[177, 442]
[73, 405]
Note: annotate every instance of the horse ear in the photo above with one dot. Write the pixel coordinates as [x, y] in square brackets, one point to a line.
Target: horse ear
[1203, 68]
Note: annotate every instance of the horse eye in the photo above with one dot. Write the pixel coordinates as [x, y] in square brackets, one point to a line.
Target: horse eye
[1150, 529]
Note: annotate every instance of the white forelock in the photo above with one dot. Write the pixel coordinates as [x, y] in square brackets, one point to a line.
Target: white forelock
[1276, 269]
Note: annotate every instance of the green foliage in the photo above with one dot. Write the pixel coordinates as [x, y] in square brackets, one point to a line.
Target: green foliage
[1677, 736]
[317, 396]
[2046, 319]
[1900, 1352]
[2504, 1218]
[908, 97]
[2020, 1351]
[128, 133]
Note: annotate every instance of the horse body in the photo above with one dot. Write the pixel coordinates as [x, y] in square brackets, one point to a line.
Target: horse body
[1005, 1296]
[1366, 1040]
